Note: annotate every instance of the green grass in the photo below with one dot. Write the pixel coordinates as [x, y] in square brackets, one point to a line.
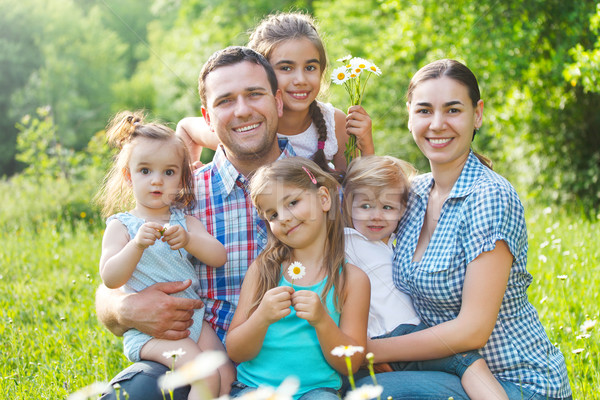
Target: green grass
[52, 344]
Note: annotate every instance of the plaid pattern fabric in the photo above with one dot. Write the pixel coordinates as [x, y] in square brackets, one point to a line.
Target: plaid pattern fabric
[225, 208]
[481, 209]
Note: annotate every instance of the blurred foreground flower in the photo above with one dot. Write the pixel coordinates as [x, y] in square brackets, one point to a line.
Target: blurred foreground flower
[175, 354]
[285, 391]
[346, 351]
[89, 392]
[588, 325]
[365, 392]
[201, 367]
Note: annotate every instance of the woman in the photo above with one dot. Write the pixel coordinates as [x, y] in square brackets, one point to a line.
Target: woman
[461, 255]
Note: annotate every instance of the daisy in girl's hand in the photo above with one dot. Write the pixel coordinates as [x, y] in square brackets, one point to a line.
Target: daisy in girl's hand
[296, 271]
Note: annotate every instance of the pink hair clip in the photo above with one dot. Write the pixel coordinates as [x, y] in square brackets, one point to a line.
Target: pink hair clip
[310, 175]
[321, 144]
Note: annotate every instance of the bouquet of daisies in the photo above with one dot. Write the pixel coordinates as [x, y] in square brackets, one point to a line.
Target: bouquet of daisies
[354, 75]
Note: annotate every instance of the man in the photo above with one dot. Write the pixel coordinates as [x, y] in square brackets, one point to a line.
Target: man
[241, 104]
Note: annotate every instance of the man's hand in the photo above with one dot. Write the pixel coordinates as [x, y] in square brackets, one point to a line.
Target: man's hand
[157, 314]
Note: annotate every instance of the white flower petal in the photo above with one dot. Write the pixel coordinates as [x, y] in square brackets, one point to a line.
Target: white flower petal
[346, 351]
[296, 270]
[340, 75]
[365, 392]
[205, 364]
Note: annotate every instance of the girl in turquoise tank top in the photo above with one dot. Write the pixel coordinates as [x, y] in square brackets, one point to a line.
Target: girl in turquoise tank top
[295, 304]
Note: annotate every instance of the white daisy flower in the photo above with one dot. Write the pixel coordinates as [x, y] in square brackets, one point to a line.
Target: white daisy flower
[344, 59]
[175, 354]
[346, 351]
[359, 64]
[577, 351]
[296, 270]
[588, 325]
[365, 392]
[285, 391]
[340, 75]
[374, 69]
[204, 365]
[562, 277]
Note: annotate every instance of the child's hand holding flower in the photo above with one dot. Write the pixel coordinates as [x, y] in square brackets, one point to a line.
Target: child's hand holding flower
[148, 233]
[176, 236]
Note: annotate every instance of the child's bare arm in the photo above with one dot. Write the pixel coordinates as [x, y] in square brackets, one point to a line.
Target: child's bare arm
[247, 330]
[197, 241]
[196, 134]
[120, 255]
[352, 330]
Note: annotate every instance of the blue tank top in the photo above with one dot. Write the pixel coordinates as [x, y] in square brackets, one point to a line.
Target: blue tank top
[291, 347]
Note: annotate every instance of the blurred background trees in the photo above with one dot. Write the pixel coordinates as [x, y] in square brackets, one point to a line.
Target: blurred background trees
[537, 62]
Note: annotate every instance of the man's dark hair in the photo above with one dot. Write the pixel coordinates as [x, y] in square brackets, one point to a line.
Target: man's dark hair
[230, 56]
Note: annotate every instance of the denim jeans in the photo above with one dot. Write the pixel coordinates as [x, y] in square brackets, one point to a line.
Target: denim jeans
[238, 389]
[456, 364]
[140, 381]
[434, 385]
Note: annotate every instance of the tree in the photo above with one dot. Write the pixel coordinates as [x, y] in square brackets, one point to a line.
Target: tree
[19, 57]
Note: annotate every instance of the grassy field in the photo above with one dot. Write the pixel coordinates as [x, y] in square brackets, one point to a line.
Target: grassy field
[52, 344]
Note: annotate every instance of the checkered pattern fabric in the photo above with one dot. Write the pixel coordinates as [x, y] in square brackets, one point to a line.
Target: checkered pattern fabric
[481, 209]
[225, 208]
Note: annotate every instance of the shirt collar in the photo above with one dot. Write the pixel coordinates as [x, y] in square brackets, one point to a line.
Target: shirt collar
[390, 243]
[229, 175]
[470, 173]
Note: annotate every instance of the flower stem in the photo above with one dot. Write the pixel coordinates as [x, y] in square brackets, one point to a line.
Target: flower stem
[350, 374]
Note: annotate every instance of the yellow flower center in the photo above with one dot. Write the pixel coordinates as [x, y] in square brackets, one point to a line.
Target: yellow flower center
[296, 270]
[373, 68]
[341, 76]
[361, 65]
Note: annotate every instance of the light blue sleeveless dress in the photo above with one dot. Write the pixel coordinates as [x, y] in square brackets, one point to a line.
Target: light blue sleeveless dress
[159, 264]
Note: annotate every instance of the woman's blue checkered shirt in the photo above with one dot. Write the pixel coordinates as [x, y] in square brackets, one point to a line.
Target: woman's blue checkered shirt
[481, 209]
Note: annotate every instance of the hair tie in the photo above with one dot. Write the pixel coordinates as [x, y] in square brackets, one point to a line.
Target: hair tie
[310, 175]
[321, 144]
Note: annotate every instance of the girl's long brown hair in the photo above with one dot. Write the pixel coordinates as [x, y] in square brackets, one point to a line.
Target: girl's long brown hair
[122, 132]
[291, 172]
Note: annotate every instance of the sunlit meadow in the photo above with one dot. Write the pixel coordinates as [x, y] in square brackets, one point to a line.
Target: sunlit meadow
[52, 343]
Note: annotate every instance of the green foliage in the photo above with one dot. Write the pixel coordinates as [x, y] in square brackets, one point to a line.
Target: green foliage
[537, 63]
[19, 56]
[539, 130]
[62, 182]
